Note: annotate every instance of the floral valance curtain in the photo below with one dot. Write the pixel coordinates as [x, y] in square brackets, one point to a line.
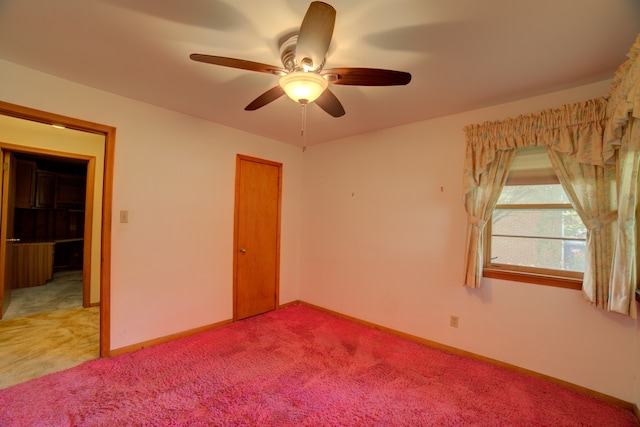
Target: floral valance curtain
[588, 140]
[572, 128]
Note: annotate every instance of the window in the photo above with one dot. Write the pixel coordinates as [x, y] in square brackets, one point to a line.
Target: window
[534, 234]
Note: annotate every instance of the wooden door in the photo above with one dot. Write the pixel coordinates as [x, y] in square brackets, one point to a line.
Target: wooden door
[257, 236]
[6, 228]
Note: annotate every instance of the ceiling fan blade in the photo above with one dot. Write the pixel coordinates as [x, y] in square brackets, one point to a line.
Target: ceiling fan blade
[238, 63]
[329, 103]
[366, 77]
[267, 97]
[315, 34]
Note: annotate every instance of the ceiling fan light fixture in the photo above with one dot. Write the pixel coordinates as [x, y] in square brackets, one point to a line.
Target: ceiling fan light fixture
[303, 76]
[303, 87]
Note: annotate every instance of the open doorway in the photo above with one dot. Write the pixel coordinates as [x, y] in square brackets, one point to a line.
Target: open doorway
[12, 139]
[48, 210]
[45, 293]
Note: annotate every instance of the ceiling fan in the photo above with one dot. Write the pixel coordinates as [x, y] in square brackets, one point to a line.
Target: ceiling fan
[302, 76]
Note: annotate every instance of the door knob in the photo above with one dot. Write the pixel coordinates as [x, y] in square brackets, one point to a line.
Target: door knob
[243, 250]
[13, 240]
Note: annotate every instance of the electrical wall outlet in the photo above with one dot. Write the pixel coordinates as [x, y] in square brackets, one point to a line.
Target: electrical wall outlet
[124, 217]
[453, 322]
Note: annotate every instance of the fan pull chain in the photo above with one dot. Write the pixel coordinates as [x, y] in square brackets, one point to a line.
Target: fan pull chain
[303, 129]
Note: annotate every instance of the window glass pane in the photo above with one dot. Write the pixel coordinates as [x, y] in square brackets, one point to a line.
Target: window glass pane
[555, 223]
[532, 194]
[533, 231]
[567, 255]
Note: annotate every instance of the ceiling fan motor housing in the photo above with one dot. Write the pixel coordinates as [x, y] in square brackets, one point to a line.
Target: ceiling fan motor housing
[288, 57]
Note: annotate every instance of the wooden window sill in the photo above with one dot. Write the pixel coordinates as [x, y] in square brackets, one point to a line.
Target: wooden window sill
[538, 279]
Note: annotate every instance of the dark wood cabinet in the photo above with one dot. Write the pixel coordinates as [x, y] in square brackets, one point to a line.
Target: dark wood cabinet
[49, 219]
[70, 191]
[68, 254]
[49, 205]
[45, 190]
[25, 183]
[48, 190]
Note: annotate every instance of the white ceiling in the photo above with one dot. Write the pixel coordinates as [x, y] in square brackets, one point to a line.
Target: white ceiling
[463, 54]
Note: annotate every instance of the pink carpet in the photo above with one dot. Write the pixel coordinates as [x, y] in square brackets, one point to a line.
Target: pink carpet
[297, 366]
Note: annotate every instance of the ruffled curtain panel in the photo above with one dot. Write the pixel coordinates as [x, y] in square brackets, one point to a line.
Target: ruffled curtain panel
[622, 135]
[594, 147]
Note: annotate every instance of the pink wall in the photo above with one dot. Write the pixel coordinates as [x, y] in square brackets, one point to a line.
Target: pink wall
[383, 230]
